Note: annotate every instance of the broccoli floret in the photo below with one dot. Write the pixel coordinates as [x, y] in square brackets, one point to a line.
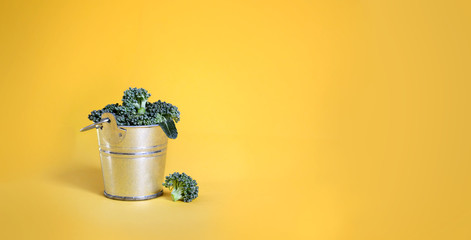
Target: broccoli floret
[95, 115]
[183, 187]
[164, 109]
[136, 98]
[165, 114]
[137, 111]
[116, 109]
[141, 120]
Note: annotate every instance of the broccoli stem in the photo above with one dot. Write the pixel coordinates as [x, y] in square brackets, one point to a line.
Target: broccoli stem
[141, 107]
[142, 103]
[141, 110]
[177, 194]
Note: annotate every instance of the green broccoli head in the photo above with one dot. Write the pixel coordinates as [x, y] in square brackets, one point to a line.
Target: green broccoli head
[136, 99]
[164, 109]
[183, 187]
[95, 115]
[137, 111]
[165, 114]
[119, 112]
[141, 120]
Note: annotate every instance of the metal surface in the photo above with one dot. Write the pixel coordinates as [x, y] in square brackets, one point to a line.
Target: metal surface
[94, 125]
[133, 198]
[132, 159]
[111, 134]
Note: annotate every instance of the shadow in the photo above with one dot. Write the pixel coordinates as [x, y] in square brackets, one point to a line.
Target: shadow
[82, 177]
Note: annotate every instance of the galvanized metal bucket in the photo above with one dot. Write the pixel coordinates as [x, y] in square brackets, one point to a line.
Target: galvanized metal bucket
[132, 159]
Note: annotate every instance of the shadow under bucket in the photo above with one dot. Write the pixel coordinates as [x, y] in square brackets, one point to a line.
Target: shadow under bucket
[132, 159]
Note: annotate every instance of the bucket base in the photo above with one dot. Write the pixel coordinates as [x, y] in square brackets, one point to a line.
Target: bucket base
[133, 198]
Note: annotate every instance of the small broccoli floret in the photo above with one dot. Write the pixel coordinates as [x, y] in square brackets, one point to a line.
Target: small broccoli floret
[165, 114]
[141, 120]
[136, 98]
[183, 187]
[166, 110]
[116, 109]
[95, 115]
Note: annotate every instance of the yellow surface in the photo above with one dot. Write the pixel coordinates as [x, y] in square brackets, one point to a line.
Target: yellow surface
[300, 119]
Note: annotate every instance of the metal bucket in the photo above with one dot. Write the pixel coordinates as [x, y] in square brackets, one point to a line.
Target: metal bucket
[132, 159]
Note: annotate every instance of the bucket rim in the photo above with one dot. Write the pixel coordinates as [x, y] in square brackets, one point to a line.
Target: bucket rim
[141, 126]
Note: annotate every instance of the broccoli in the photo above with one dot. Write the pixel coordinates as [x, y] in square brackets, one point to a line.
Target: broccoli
[137, 111]
[183, 187]
[167, 110]
[116, 109]
[165, 114]
[136, 98]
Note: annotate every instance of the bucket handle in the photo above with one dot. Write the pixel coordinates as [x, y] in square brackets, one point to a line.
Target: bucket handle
[111, 133]
[94, 125]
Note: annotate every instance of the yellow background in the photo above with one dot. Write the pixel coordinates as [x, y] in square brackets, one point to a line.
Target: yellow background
[300, 119]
